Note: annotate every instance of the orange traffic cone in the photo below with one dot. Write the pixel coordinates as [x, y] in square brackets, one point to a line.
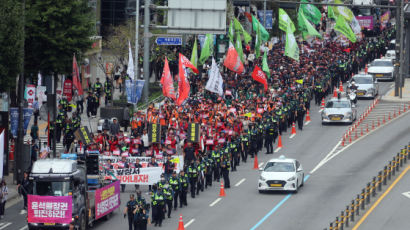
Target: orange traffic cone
[335, 93]
[322, 106]
[293, 129]
[181, 223]
[341, 86]
[389, 117]
[394, 114]
[255, 163]
[280, 142]
[222, 190]
[307, 116]
[373, 125]
[361, 131]
[404, 109]
[365, 69]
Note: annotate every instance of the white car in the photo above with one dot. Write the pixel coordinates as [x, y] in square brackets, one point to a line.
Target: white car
[339, 110]
[382, 69]
[390, 54]
[281, 174]
[366, 86]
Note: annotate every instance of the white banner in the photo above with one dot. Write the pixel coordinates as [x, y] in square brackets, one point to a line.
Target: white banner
[130, 68]
[141, 176]
[355, 26]
[1, 152]
[117, 163]
[41, 95]
[30, 94]
[215, 81]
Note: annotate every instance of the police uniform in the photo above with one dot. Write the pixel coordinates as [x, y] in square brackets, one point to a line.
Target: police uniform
[244, 146]
[176, 187]
[216, 157]
[131, 205]
[168, 195]
[193, 177]
[158, 201]
[225, 167]
[183, 181]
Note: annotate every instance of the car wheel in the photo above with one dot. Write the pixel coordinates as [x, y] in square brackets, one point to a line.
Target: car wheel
[260, 191]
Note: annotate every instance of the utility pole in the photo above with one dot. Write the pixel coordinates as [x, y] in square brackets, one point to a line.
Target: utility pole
[146, 49]
[399, 44]
[401, 77]
[137, 25]
[20, 128]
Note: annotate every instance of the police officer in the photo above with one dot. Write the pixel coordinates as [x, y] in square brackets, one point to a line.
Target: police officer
[201, 180]
[157, 199]
[234, 149]
[59, 122]
[108, 90]
[140, 218]
[98, 87]
[244, 146]
[183, 182]
[208, 170]
[300, 113]
[90, 104]
[129, 209]
[269, 133]
[225, 167]
[254, 139]
[193, 178]
[216, 157]
[175, 185]
[168, 195]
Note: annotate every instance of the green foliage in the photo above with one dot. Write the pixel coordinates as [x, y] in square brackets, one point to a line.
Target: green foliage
[10, 42]
[55, 30]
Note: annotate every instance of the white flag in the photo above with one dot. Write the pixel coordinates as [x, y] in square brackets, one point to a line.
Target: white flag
[39, 79]
[130, 70]
[215, 81]
[355, 26]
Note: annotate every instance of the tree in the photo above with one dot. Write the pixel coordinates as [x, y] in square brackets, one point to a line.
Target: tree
[10, 42]
[55, 30]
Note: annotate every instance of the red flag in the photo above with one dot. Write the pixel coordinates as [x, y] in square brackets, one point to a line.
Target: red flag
[76, 77]
[259, 76]
[187, 63]
[232, 60]
[183, 84]
[167, 82]
[248, 16]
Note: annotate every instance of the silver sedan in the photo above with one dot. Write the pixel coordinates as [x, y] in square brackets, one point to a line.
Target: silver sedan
[338, 111]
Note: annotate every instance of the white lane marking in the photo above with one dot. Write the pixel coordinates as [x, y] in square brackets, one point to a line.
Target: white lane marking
[277, 149]
[240, 182]
[406, 194]
[326, 159]
[215, 202]
[307, 122]
[189, 223]
[22, 212]
[5, 225]
[23, 228]
[391, 86]
[260, 164]
[292, 136]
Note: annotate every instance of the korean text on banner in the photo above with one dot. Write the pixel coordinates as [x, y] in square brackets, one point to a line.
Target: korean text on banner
[14, 117]
[107, 199]
[141, 176]
[49, 209]
[193, 132]
[154, 133]
[384, 19]
[365, 22]
[30, 94]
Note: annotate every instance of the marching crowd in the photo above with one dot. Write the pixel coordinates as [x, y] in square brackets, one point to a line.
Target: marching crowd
[233, 127]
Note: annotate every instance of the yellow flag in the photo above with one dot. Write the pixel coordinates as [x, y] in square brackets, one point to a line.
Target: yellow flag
[247, 114]
[300, 81]
[175, 160]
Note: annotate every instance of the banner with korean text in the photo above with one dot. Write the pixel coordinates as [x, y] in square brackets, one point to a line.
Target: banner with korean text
[144, 161]
[141, 176]
[107, 199]
[49, 209]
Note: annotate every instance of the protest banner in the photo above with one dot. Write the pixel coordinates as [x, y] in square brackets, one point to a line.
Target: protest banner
[365, 22]
[14, 116]
[154, 133]
[49, 209]
[141, 176]
[107, 199]
[144, 161]
[193, 132]
[83, 135]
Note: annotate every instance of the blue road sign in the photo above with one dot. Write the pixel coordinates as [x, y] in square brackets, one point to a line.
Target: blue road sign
[169, 41]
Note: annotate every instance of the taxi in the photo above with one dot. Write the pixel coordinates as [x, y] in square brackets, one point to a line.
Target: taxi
[339, 111]
[281, 174]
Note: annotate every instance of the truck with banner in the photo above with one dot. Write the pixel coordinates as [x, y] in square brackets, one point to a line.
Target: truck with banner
[63, 194]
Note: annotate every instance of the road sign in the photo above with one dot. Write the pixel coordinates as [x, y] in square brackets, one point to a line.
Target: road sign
[169, 41]
[269, 20]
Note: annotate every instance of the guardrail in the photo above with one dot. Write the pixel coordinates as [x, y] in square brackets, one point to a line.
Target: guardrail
[362, 200]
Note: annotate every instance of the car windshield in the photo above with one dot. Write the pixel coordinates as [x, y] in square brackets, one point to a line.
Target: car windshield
[338, 104]
[382, 63]
[52, 188]
[363, 80]
[279, 167]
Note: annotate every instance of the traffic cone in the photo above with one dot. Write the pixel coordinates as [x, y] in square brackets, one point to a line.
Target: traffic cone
[365, 69]
[384, 119]
[367, 128]
[378, 122]
[335, 92]
[373, 125]
[293, 129]
[394, 114]
[399, 111]
[280, 142]
[307, 116]
[222, 190]
[389, 117]
[355, 136]
[341, 86]
[404, 108]
[255, 163]
[322, 106]
[181, 223]
[361, 131]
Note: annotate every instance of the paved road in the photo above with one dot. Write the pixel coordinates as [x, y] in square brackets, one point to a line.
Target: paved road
[325, 193]
[393, 211]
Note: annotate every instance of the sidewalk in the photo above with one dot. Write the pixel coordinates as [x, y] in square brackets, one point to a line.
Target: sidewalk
[405, 93]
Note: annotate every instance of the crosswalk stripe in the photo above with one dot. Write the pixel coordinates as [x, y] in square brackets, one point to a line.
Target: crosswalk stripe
[4, 225]
[24, 228]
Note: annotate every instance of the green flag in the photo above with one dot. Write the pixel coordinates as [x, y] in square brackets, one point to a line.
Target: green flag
[231, 32]
[285, 22]
[265, 66]
[291, 46]
[311, 12]
[255, 25]
[194, 55]
[344, 11]
[238, 46]
[343, 27]
[305, 26]
[258, 42]
[239, 28]
[206, 50]
[330, 12]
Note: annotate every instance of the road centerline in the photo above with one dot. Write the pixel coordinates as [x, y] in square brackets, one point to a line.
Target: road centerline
[189, 223]
[240, 182]
[215, 202]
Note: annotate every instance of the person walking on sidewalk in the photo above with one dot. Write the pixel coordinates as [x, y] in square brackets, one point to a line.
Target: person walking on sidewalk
[24, 188]
[3, 197]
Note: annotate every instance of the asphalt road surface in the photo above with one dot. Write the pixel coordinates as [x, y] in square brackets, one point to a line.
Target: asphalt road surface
[326, 192]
